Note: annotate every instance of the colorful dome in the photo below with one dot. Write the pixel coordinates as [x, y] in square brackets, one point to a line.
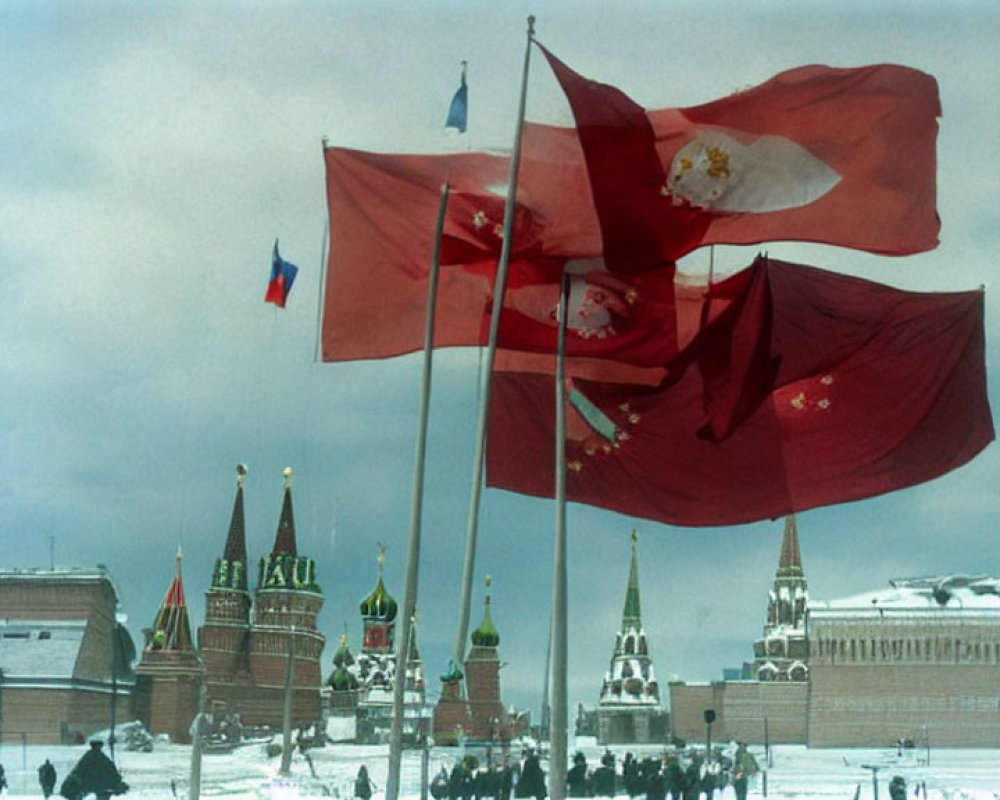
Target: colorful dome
[486, 634]
[380, 603]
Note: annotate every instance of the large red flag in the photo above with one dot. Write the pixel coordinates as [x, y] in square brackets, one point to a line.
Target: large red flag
[840, 156]
[872, 389]
[383, 210]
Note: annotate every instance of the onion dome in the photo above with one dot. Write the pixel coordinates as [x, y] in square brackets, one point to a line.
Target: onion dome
[380, 603]
[343, 657]
[453, 674]
[486, 634]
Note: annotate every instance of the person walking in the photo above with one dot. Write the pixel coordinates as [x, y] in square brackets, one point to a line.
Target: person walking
[47, 778]
[363, 784]
[94, 773]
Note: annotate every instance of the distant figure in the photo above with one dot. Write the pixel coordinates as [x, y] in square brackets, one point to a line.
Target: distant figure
[576, 777]
[673, 776]
[531, 783]
[3, 779]
[94, 773]
[897, 788]
[47, 778]
[744, 767]
[363, 784]
[604, 776]
[439, 784]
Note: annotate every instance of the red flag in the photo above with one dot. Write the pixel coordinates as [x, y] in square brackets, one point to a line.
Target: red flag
[876, 389]
[839, 156]
[383, 210]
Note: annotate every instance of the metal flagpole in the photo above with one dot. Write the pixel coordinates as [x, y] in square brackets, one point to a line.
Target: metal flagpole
[558, 734]
[499, 287]
[416, 509]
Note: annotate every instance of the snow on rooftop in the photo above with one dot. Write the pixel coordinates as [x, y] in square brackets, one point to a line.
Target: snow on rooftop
[977, 593]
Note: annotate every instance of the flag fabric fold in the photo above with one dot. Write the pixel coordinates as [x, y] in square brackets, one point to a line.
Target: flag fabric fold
[871, 389]
[839, 156]
[383, 210]
[282, 277]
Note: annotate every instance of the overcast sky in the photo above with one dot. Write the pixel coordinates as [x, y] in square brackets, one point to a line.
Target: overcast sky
[153, 151]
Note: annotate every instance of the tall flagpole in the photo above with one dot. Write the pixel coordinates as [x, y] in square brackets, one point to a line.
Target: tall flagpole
[416, 509]
[499, 288]
[558, 735]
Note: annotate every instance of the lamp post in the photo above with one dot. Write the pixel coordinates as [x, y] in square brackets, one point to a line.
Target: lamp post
[709, 719]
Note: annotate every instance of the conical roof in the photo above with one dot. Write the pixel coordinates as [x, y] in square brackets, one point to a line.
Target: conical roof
[284, 539]
[230, 570]
[380, 603]
[631, 613]
[486, 635]
[790, 562]
[172, 628]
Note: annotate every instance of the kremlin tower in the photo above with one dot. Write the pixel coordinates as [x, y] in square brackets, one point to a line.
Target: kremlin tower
[629, 706]
[171, 664]
[248, 642]
[783, 652]
[224, 639]
[481, 717]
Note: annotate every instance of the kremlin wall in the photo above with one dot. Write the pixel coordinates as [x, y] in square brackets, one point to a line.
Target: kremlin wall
[918, 662]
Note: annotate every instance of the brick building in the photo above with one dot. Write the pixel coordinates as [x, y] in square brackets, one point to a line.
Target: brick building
[65, 655]
[919, 661]
[478, 713]
[248, 640]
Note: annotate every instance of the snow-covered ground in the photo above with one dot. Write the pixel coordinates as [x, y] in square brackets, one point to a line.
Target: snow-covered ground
[796, 772]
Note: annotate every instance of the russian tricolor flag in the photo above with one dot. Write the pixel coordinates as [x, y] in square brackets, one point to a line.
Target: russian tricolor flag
[282, 277]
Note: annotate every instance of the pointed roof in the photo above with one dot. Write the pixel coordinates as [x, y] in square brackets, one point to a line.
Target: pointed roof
[284, 539]
[790, 563]
[486, 635]
[631, 613]
[236, 541]
[172, 629]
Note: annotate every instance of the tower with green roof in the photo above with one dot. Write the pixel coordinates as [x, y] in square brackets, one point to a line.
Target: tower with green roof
[629, 708]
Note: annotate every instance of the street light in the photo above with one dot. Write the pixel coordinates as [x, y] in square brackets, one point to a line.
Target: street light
[709, 719]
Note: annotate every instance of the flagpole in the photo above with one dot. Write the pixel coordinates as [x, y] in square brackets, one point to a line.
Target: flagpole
[558, 734]
[416, 510]
[318, 353]
[499, 287]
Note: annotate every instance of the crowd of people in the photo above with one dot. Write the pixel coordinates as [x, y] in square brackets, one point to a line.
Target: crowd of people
[680, 775]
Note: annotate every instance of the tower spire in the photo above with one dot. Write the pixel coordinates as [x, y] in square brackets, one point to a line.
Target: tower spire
[231, 569]
[284, 540]
[790, 563]
[631, 613]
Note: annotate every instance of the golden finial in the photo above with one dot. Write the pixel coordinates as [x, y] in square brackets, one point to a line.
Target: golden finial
[241, 474]
[381, 557]
[634, 537]
[288, 477]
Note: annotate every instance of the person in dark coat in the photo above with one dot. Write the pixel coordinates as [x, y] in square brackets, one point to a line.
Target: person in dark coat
[439, 785]
[457, 781]
[604, 777]
[3, 779]
[897, 788]
[363, 784]
[47, 778]
[673, 776]
[532, 780]
[692, 780]
[632, 776]
[94, 773]
[656, 782]
[576, 777]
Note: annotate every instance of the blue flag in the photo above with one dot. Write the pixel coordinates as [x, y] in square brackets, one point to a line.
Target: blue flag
[282, 276]
[458, 114]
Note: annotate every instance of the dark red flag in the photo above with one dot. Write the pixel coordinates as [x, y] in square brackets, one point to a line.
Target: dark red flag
[873, 389]
[840, 156]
